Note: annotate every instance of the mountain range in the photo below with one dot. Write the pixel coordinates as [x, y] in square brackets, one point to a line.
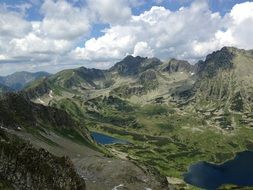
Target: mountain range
[172, 113]
[19, 80]
[131, 76]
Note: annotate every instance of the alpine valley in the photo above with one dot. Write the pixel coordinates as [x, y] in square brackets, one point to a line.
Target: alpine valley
[170, 115]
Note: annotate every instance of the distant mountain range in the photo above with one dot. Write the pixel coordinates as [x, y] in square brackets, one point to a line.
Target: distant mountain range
[131, 76]
[222, 82]
[17, 81]
[172, 114]
[4, 88]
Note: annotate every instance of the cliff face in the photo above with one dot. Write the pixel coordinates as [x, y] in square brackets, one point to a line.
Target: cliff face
[24, 167]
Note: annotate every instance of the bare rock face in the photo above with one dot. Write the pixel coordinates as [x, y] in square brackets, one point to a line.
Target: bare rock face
[215, 62]
[149, 79]
[175, 65]
[148, 75]
[127, 91]
[26, 168]
[128, 66]
[110, 173]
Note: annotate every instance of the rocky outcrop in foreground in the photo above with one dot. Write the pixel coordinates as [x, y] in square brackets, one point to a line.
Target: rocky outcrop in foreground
[26, 168]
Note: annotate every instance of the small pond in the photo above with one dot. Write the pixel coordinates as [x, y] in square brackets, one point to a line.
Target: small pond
[105, 139]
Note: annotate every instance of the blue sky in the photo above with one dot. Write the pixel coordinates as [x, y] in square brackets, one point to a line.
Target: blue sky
[33, 13]
[52, 35]
[221, 6]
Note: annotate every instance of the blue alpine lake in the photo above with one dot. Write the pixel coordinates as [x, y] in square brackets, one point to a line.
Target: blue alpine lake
[238, 171]
[105, 139]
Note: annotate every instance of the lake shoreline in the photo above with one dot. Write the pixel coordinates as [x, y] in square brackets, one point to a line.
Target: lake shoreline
[105, 139]
[237, 171]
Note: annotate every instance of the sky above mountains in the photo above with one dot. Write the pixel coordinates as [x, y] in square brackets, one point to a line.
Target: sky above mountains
[53, 35]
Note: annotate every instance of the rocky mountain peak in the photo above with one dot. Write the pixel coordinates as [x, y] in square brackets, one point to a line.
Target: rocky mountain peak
[218, 60]
[148, 75]
[90, 73]
[128, 66]
[150, 63]
[175, 65]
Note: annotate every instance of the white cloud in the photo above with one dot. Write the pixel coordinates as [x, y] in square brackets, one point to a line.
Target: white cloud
[32, 43]
[20, 8]
[159, 31]
[12, 24]
[236, 30]
[46, 41]
[64, 21]
[110, 11]
[240, 25]
[188, 33]
[242, 12]
[143, 49]
[137, 3]
[112, 46]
